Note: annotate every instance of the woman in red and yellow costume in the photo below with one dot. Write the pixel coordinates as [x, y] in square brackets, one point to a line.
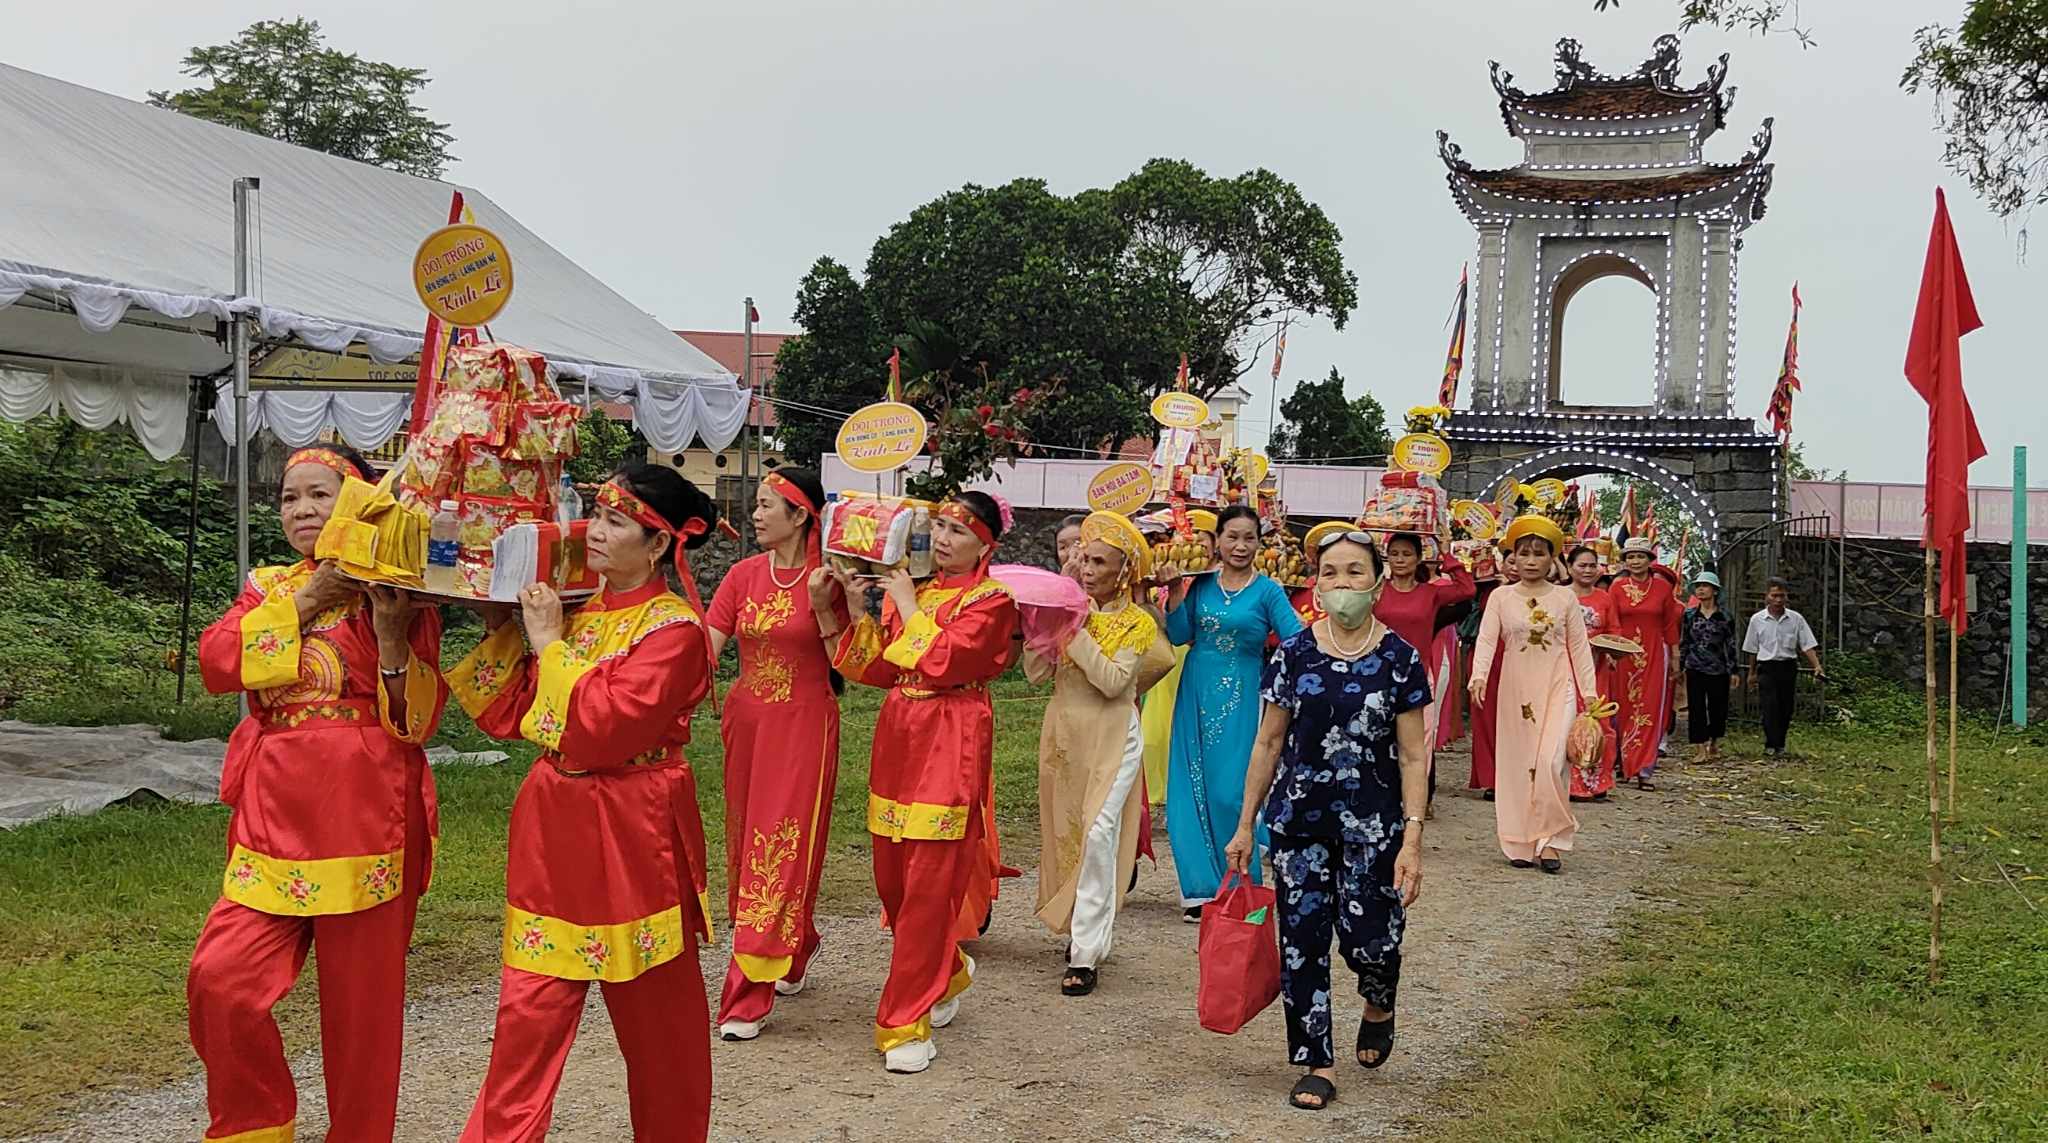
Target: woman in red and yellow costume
[781, 732]
[937, 648]
[1597, 606]
[331, 838]
[1648, 611]
[605, 869]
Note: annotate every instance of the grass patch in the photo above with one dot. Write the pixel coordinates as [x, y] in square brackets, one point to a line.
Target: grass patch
[1785, 996]
[103, 910]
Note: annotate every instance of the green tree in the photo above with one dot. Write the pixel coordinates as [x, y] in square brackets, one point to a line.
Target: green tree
[1988, 77]
[278, 78]
[1673, 520]
[1086, 301]
[1320, 422]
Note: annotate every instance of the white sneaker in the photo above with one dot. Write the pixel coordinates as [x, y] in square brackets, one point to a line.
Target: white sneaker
[944, 1011]
[785, 988]
[735, 1030]
[910, 1058]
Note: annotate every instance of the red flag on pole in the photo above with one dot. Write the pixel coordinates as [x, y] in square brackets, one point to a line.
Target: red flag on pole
[1627, 524]
[1279, 350]
[896, 374]
[1454, 357]
[1788, 376]
[1180, 380]
[1934, 364]
[432, 347]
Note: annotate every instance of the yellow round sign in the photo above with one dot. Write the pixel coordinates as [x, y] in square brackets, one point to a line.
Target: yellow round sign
[1480, 521]
[1422, 452]
[881, 437]
[1180, 410]
[1120, 488]
[463, 274]
[1550, 490]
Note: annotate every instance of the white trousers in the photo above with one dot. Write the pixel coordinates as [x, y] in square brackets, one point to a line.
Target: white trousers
[1095, 891]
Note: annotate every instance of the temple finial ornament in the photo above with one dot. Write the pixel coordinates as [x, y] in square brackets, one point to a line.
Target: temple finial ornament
[1662, 66]
[1570, 68]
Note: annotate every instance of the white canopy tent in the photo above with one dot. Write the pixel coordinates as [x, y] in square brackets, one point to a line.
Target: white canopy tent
[117, 272]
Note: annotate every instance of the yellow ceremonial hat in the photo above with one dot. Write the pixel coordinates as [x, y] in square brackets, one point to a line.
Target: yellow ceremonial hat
[1118, 532]
[1533, 524]
[1314, 539]
[1202, 520]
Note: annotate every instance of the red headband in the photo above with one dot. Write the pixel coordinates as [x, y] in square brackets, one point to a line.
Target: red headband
[787, 489]
[964, 516]
[325, 458]
[614, 496]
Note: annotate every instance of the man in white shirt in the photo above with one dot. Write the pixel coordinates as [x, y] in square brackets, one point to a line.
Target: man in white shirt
[1777, 637]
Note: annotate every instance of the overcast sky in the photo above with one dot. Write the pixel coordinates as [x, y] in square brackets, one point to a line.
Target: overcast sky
[691, 154]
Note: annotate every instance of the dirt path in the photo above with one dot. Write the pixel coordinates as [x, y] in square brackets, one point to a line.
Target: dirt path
[1486, 945]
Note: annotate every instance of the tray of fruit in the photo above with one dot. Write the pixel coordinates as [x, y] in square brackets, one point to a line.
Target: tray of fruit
[1283, 563]
[1180, 557]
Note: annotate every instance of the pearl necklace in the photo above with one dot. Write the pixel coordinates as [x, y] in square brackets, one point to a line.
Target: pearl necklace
[1344, 652]
[777, 580]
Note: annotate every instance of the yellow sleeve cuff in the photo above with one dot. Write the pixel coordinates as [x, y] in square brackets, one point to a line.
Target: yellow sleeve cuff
[916, 639]
[859, 647]
[548, 717]
[489, 671]
[419, 703]
[270, 644]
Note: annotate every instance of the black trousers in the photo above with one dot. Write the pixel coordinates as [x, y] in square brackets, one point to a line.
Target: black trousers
[1706, 706]
[1775, 683]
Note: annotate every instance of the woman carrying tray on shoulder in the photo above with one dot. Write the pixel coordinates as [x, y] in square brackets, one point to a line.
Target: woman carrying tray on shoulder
[605, 870]
[936, 648]
[331, 837]
[781, 733]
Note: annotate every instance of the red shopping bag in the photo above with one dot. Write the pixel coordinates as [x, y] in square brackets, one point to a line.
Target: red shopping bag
[1239, 955]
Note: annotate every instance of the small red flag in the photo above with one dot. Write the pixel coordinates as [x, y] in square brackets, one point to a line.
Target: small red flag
[1454, 357]
[1934, 364]
[1788, 376]
[753, 315]
[1180, 380]
[1279, 351]
[896, 374]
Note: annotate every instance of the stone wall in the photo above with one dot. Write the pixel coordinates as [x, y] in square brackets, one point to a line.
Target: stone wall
[1882, 617]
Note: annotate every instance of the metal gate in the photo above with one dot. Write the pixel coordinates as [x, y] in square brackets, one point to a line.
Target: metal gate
[1801, 551]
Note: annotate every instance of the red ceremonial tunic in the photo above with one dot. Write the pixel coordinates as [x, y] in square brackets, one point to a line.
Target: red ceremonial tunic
[935, 737]
[1649, 614]
[1412, 614]
[605, 868]
[781, 733]
[1601, 619]
[318, 775]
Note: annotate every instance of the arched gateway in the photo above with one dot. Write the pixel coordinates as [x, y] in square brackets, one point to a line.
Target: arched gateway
[1613, 182]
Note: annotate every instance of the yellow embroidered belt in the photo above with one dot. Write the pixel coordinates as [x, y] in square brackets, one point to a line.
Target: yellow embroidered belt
[923, 693]
[316, 715]
[660, 758]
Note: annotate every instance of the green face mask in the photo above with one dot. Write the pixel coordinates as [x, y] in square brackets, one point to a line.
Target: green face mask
[1348, 608]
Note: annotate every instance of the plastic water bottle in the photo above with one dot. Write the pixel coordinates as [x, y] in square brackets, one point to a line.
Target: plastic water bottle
[443, 543]
[568, 503]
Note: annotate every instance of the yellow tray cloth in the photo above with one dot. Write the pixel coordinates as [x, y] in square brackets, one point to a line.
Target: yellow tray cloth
[373, 537]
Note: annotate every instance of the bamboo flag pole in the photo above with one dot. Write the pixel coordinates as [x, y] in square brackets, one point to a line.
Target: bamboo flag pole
[1953, 641]
[1934, 877]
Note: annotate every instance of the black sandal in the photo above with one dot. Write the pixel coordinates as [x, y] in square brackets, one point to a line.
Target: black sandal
[1313, 1085]
[1375, 1036]
[1552, 865]
[1520, 863]
[1078, 982]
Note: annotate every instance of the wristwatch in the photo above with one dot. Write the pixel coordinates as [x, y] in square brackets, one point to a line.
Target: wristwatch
[1412, 818]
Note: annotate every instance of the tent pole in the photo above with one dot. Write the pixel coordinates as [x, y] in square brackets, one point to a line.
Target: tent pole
[191, 539]
[244, 187]
[746, 500]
